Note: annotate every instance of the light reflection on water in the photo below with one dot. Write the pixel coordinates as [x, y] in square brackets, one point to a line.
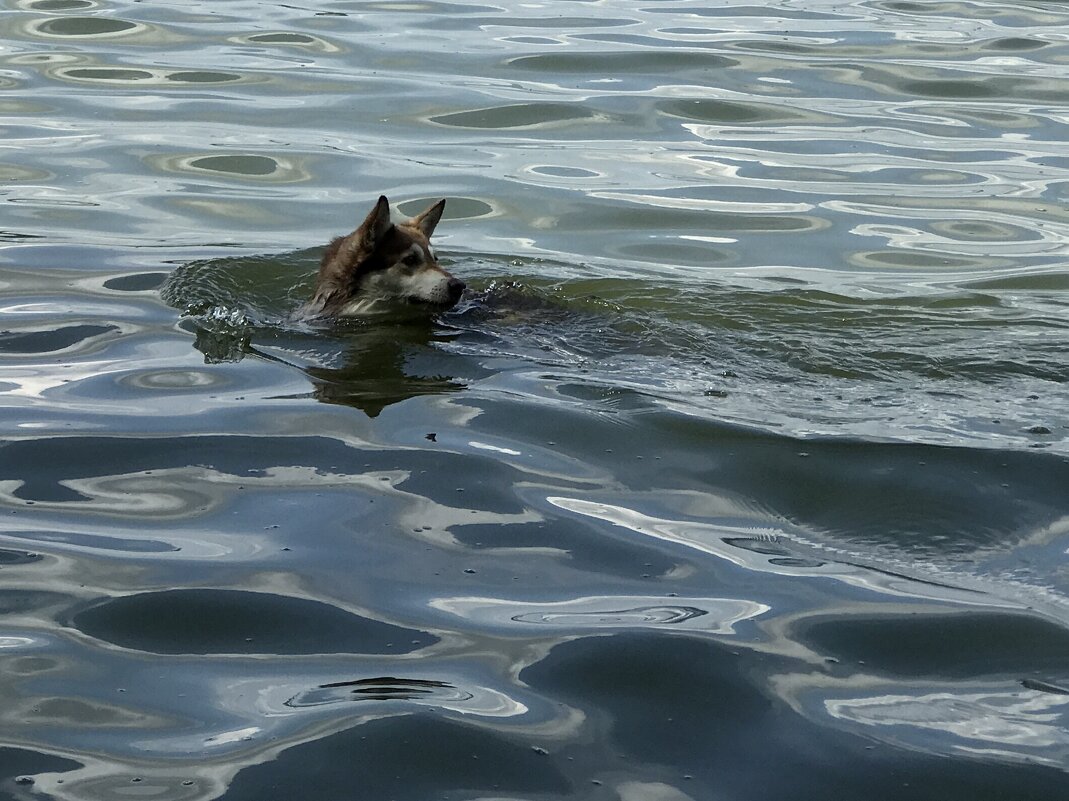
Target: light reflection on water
[761, 382]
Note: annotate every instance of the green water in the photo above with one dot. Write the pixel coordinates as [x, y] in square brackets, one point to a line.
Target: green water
[740, 472]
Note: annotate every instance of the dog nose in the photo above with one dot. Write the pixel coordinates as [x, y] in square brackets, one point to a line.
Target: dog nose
[456, 288]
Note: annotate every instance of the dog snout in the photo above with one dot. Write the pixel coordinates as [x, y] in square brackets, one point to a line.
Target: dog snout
[456, 289]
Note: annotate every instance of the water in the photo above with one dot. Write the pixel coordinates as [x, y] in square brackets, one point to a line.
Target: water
[742, 472]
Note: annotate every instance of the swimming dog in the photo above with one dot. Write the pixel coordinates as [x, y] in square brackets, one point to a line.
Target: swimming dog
[382, 264]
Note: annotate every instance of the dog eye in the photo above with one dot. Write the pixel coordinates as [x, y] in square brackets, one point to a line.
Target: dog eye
[412, 260]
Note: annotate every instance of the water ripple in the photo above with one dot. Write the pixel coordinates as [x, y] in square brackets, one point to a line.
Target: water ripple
[710, 615]
[749, 431]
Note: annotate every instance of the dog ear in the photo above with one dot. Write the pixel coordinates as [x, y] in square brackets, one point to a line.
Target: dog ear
[377, 224]
[428, 220]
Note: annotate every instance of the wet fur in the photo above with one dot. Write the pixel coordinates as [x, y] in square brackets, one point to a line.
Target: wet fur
[381, 264]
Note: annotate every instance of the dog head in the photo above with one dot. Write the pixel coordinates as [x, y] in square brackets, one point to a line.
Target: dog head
[384, 263]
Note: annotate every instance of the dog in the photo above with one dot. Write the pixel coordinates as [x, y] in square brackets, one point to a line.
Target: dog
[381, 265]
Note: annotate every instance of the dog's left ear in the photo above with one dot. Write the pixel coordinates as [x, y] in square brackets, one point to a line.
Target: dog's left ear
[428, 220]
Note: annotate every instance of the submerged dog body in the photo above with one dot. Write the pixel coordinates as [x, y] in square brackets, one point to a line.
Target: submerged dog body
[381, 264]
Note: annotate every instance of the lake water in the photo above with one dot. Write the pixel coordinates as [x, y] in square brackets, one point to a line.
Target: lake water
[741, 473]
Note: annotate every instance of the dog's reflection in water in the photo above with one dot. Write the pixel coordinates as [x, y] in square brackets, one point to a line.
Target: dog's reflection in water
[368, 367]
[385, 365]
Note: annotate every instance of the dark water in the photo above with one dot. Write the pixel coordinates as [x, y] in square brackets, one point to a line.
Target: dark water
[741, 473]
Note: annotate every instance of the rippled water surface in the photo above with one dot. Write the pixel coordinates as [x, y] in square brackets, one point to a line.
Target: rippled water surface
[741, 472]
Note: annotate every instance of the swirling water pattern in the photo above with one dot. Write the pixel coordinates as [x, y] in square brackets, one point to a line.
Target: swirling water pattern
[741, 473]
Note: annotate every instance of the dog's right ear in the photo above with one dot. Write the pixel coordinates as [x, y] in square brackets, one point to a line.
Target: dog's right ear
[377, 224]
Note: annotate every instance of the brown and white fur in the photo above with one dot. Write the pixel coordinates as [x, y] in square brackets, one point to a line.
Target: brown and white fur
[381, 264]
